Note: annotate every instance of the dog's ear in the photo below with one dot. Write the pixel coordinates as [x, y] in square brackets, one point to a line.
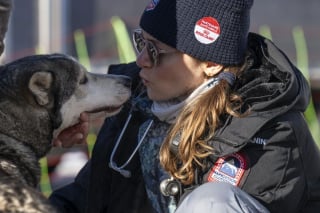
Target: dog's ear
[39, 85]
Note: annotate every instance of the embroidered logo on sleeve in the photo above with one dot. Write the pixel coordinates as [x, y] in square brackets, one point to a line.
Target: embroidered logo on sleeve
[229, 169]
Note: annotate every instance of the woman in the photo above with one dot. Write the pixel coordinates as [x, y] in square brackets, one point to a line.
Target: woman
[220, 128]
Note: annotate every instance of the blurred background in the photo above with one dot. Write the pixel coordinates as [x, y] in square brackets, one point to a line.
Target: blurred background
[94, 30]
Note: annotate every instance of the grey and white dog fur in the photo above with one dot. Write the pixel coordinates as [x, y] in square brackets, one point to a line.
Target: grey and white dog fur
[39, 96]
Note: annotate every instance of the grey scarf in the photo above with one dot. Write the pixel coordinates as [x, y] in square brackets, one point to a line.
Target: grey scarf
[169, 110]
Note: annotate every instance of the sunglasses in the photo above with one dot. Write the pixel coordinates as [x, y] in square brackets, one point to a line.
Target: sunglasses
[153, 51]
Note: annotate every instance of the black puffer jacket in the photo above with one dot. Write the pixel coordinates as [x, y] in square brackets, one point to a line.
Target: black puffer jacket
[271, 151]
[274, 156]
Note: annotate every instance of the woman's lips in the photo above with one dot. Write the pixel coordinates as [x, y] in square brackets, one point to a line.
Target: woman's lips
[145, 82]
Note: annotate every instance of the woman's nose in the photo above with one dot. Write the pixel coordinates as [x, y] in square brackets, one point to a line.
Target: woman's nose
[143, 59]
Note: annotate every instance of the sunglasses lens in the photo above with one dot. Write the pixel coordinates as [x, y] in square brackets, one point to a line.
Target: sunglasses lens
[140, 43]
[153, 52]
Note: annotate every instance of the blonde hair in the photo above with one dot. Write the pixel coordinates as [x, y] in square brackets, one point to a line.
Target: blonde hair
[196, 124]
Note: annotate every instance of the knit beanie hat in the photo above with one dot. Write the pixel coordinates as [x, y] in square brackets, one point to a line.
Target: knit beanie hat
[209, 30]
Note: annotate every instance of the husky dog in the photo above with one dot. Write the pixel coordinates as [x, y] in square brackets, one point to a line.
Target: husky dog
[39, 96]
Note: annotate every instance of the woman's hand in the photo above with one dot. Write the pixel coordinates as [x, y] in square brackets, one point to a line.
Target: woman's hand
[76, 134]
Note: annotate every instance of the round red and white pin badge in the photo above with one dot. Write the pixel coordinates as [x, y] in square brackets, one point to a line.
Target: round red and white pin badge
[207, 30]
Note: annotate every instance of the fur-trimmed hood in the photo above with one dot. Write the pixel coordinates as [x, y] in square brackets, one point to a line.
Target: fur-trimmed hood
[271, 81]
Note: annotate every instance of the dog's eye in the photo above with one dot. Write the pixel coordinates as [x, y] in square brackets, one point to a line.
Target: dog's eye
[83, 80]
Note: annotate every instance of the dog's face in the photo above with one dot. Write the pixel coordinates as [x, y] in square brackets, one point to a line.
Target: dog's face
[94, 93]
[42, 93]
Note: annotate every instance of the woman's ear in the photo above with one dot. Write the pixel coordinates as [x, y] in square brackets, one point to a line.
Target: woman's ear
[211, 69]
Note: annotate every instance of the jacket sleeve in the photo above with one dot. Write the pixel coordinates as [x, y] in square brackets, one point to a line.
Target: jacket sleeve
[277, 175]
[72, 197]
[276, 166]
